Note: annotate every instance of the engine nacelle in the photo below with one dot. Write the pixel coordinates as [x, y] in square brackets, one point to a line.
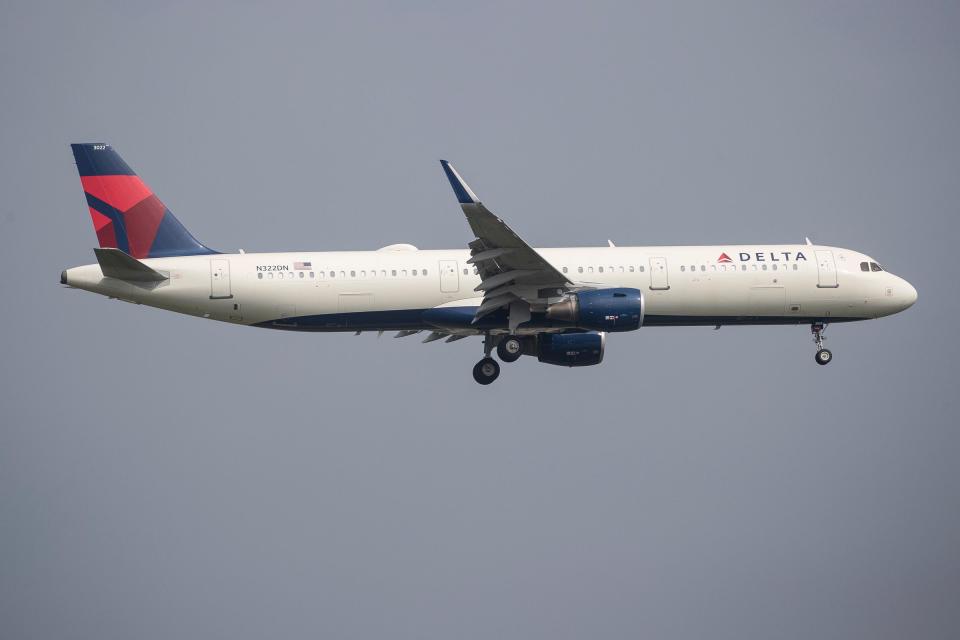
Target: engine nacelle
[571, 349]
[617, 309]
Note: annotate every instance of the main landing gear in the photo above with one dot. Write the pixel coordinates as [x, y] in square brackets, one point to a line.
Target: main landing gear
[487, 370]
[823, 356]
[509, 349]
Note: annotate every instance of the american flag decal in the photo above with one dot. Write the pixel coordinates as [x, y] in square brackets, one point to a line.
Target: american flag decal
[300, 266]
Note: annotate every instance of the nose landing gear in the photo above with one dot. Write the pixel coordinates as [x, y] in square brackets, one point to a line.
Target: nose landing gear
[823, 356]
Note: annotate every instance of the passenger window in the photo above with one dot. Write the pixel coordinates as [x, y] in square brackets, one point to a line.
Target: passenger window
[579, 269]
[599, 269]
[404, 273]
[353, 274]
[259, 276]
[621, 269]
[343, 274]
[864, 266]
[642, 268]
[794, 266]
[465, 271]
[424, 272]
[312, 274]
[270, 276]
[774, 267]
[703, 267]
[333, 274]
[754, 267]
[363, 274]
[713, 267]
[393, 272]
[383, 273]
[589, 269]
[683, 268]
[414, 272]
[301, 274]
[631, 268]
[564, 269]
[764, 267]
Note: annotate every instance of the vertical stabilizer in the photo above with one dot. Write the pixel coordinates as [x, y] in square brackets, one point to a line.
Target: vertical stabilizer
[126, 214]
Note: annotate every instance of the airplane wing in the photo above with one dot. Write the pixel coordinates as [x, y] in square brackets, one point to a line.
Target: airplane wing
[512, 273]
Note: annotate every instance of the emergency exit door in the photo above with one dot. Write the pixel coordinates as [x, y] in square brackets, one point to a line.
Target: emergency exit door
[658, 274]
[449, 278]
[220, 279]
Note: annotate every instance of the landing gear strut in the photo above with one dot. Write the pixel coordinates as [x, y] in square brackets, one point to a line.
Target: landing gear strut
[823, 356]
[487, 370]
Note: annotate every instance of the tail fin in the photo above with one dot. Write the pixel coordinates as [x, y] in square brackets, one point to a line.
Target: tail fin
[126, 214]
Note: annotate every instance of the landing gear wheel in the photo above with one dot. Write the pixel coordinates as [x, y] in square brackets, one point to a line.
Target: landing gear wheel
[510, 349]
[823, 356]
[486, 371]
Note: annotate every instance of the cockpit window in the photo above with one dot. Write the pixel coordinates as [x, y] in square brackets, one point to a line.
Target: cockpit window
[864, 266]
[875, 267]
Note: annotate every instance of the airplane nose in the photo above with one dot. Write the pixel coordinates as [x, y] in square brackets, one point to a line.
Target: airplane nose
[909, 295]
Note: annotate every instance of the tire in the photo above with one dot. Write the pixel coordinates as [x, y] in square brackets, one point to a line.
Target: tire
[824, 356]
[486, 371]
[510, 349]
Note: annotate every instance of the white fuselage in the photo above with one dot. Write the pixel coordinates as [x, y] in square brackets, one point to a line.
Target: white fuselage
[389, 289]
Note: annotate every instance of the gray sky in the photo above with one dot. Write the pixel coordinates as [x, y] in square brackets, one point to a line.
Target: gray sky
[161, 476]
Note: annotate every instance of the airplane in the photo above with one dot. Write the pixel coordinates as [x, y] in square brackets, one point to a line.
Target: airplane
[556, 305]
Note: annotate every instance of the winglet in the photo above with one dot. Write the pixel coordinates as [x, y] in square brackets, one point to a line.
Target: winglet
[464, 194]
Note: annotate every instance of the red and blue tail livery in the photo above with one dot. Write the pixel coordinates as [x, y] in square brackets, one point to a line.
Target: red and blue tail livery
[126, 214]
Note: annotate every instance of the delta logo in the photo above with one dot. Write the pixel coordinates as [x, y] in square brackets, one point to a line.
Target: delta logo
[764, 256]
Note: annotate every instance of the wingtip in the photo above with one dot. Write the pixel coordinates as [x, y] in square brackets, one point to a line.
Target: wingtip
[464, 194]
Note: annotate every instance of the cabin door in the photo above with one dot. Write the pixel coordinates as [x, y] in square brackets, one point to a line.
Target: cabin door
[826, 270]
[220, 279]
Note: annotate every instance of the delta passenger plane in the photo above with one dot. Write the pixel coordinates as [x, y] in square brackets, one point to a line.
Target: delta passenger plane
[557, 305]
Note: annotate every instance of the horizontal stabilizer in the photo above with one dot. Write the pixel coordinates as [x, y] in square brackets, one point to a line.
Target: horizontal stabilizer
[115, 263]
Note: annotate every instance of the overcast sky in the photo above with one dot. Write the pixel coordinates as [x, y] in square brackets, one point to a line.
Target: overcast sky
[167, 477]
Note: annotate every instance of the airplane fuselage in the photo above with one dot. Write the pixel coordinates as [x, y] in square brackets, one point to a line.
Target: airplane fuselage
[405, 289]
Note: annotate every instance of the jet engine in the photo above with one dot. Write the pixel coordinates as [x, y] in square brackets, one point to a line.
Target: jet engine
[571, 349]
[616, 309]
